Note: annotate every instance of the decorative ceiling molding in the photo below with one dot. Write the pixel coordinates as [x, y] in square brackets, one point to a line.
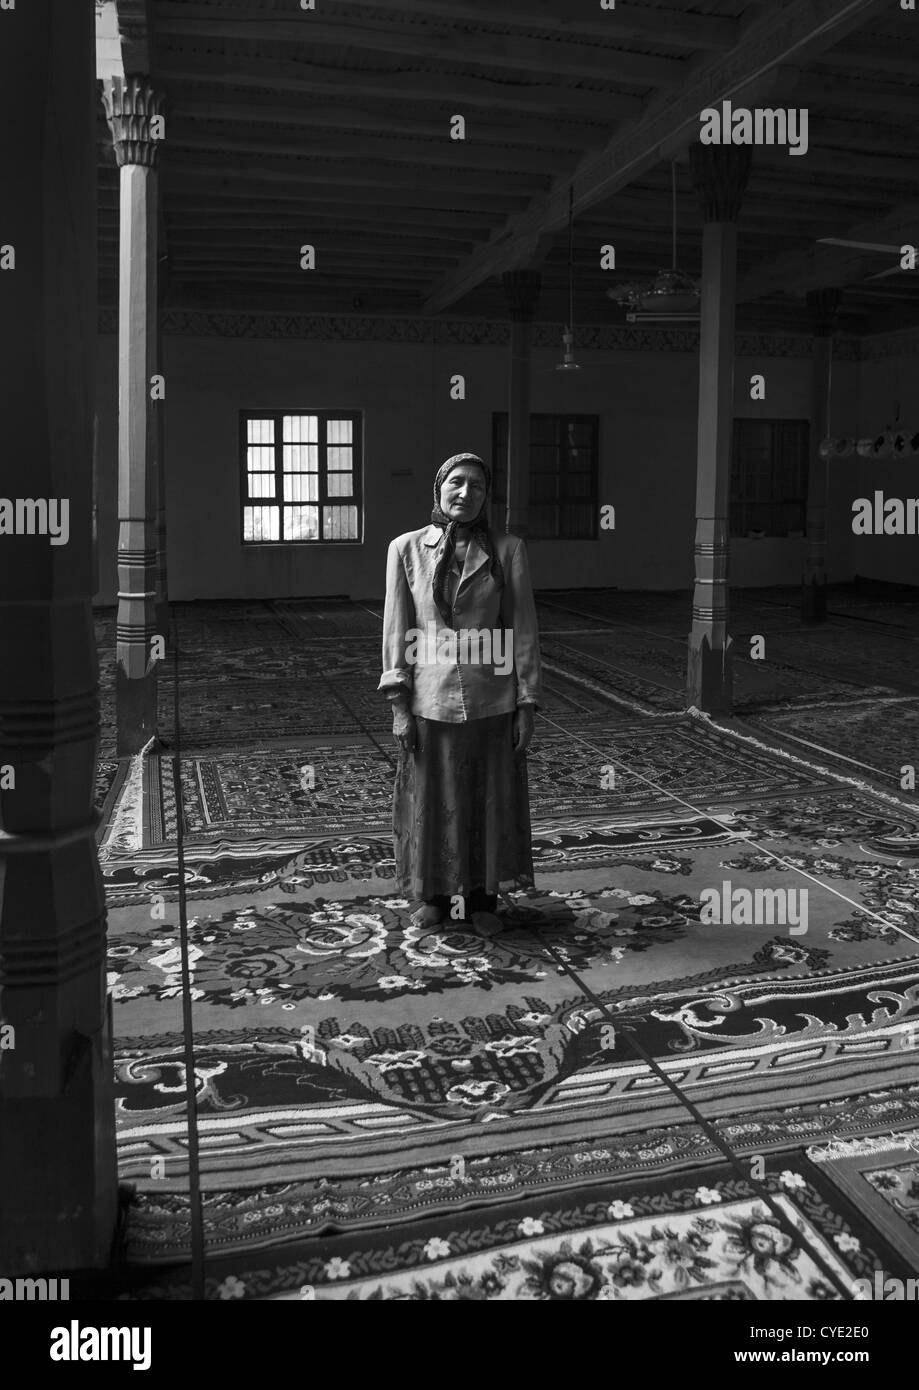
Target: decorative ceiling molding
[359, 328]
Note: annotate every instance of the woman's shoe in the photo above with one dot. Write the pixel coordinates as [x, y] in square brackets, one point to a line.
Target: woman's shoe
[428, 915]
[486, 923]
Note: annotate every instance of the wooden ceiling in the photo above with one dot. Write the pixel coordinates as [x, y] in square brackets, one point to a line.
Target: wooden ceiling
[332, 127]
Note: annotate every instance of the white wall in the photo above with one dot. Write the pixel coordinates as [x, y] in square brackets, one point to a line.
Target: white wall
[647, 407]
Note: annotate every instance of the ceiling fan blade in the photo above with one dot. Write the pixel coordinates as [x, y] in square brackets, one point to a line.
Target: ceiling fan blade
[883, 274]
[857, 245]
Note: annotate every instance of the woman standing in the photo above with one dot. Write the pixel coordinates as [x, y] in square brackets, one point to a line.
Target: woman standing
[461, 668]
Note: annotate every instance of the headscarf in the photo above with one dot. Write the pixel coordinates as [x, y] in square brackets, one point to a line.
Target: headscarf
[478, 528]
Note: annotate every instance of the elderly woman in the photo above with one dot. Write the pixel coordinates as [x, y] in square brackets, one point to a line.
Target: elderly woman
[461, 668]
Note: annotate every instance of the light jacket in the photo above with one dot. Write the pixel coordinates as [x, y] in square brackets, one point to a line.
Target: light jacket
[462, 689]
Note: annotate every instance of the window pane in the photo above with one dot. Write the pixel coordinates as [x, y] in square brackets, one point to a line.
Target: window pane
[339, 523]
[261, 484]
[339, 457]
[301, 458]
[580, 432]
[261, 458]
[301, 429]
[260, 431]
[260, 524]
[543, 429]
[340, 484]
[338, 431]
[301, 487]
[543, 459]
[301, 523]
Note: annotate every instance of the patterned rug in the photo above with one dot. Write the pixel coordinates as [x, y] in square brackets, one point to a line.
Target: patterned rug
[709, 1235]
[263, 794]
[874, 739]
[492, 1042]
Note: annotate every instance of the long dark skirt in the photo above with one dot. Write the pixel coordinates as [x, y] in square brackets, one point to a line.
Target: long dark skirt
[461, 810]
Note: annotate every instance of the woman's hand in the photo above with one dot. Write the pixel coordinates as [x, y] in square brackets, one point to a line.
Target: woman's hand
[524, 724]
[403, 727]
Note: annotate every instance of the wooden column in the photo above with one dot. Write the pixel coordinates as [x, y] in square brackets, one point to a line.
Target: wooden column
[720, 174]
[824, 305]
[131, 104]
[522, 290]
[58, 1182]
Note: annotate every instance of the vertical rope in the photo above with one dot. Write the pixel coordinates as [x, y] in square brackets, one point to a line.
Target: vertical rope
[191, 1101]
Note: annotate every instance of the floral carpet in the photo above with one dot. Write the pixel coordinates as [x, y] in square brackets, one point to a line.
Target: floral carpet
[346, 1061]
[710, 1235]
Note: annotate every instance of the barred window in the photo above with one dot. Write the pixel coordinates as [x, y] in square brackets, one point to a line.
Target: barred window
[301, 475]
[564, 472]
[769, 465]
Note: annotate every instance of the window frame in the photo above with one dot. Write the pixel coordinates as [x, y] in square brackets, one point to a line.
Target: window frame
[740, 503]
[323, 499]
[562, 419]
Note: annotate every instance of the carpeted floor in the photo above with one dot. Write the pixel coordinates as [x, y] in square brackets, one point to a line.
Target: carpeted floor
[399, 1052]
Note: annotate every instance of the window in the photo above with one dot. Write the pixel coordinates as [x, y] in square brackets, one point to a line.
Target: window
[564, 467]
[301, 476]
[769, 467]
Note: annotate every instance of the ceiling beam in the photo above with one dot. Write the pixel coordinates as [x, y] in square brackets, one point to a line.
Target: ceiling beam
[667, 27]
[536, 96]
[573, 135]
[790, 36]
[459, 155]
[821, 267]
[819, 89]
[248, 185]
[294, 172]
[509, 53]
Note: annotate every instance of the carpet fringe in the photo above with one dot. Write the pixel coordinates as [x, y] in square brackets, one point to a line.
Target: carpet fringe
[858, 782]
[127, 835]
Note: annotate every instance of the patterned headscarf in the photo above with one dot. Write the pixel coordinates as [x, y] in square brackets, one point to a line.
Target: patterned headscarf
[478, 527]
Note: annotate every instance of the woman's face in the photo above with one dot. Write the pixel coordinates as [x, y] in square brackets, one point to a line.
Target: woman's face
[462, 492]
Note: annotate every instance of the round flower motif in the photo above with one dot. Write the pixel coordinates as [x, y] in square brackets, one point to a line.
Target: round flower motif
[119, 951]
[437, 1249]
[394, 982]
[325, 917]
[792, 1181]
[616, 893]
[846, 1243]
[768, 1239]
[641, 900]
[529, 1226]
[231, 1288]
[337, 1268]
[477, 1093]
[707, 1196]
[628, 1273]
[119, 991]
[618, 1211]
[567, 1277]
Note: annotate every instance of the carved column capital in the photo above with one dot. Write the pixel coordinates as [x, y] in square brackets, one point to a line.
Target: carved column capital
[720, 174]
[824, 306]
[131, 104]
[521, 287]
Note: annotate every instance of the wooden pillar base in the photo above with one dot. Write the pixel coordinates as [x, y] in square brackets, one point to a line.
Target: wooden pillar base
[61, 1216]
[136, 704]
[813, 599]
[710, 676]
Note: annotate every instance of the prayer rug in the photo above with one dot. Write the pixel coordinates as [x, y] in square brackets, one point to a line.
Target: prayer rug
[875, 738]
[711, 1235]
[881, 1178]
[492, 1042]
[272, 1215]
[264, 793]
